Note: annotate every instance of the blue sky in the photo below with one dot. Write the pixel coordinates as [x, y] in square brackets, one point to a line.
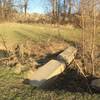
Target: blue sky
[37, 6]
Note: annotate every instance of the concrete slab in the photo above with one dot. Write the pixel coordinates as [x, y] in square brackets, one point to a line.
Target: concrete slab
[67, 55]
[46, 72]
[53, 68]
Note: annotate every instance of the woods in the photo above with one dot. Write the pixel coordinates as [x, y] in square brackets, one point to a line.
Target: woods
[9, 8]
[61, 11]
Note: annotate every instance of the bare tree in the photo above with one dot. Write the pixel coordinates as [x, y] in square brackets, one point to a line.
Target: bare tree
[70, 6]
[6, 8]
[65, 9]
[89, 12]
[25, 6]
[93, 37]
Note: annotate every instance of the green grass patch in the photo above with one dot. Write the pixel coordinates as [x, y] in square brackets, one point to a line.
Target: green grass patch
[12, 88]
[15, 33]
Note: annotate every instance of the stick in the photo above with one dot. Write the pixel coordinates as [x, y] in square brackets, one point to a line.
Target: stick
[83, 75]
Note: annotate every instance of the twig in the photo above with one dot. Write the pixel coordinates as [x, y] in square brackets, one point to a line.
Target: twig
[81, 71]
[8, 58]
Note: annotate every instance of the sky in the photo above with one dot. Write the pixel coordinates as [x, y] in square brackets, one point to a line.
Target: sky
[37, 6]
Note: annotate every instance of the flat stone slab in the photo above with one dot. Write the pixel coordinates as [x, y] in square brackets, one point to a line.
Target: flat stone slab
[67, 55]
[46, 72]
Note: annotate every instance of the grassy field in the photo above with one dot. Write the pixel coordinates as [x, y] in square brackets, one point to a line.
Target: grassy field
[15, 33]
[11, 86]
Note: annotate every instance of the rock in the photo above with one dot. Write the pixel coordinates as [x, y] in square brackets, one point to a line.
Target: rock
[46, 72]
[95, 84]
[19, 68]
[67, 55]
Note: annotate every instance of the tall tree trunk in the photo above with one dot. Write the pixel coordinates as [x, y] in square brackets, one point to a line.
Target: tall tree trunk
[70, 6]
[53, 8]
[65, 9]
[93, 38]
[25, 6]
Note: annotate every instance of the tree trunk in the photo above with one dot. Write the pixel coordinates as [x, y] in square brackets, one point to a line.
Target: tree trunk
[65, 9]
[70, 7]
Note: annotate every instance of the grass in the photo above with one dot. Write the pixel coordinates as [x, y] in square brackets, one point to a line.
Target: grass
[11, 87]
[15, 33]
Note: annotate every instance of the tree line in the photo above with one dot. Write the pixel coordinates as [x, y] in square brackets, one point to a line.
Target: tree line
[9, 7]
[61, 10]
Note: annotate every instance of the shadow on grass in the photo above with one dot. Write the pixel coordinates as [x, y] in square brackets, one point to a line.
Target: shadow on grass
[24, 36]
[3, 54]
[43, 35]
[48, 57]
[69, 81]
